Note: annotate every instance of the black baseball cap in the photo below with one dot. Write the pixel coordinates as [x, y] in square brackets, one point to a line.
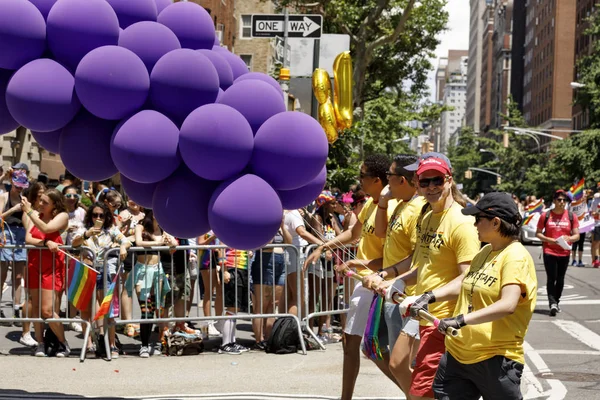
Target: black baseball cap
[496, 204]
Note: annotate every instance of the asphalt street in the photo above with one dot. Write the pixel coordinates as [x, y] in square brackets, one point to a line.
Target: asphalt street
[562, 354]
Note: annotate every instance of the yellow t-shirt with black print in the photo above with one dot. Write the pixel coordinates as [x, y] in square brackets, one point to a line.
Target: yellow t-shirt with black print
[401, 235]
[444, 240]
[490, 271]
[370, 246]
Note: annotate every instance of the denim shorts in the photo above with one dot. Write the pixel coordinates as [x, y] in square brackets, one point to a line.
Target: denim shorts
[15, 236]
[390, 330]
[111, 263]
[273, 269]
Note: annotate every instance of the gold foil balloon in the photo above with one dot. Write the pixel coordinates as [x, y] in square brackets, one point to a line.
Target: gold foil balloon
[321, 85]
[342, 90]
[327, 121]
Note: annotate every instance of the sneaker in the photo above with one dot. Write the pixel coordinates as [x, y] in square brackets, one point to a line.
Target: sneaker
[27, 340]
[574, 263]
[39, 350]
[157, 349]
[260, 346]
[145, 351]
[241, 348]
[580, 264]
[596, 264]
[558, 308]
[229, 348]
[212, 331]
[114, 353]
[553, 310]
[75, 327]
[63, 350]
[4, 323]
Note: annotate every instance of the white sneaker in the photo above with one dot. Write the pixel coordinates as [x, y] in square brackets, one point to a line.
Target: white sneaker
[63, 350]
[212, 331]
[27, 340]
[75, 327]
[145, 351]
[40, 351]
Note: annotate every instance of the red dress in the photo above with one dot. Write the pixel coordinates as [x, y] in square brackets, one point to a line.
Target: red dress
[32, 279]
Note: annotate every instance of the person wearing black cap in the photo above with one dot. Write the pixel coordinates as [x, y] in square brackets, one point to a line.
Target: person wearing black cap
[496, 298]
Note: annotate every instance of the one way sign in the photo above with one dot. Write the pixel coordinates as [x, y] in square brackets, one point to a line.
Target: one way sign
[299, 25]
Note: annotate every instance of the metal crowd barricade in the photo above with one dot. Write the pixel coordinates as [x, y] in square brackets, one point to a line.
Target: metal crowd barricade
[327, 292]
[170, 272]
[65, 290]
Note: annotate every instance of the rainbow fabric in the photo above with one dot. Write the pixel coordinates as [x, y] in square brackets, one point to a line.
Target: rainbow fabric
[371, 337]
[236, 259]
[537, 207]
[110, 304]
[81, 285]
[577, 190]
[528, 219]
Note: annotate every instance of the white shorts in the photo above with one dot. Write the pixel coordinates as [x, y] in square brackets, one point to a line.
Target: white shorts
[358, 312]
[411, 328]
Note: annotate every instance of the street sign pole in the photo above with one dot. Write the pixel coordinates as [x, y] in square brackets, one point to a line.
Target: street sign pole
[285, 86]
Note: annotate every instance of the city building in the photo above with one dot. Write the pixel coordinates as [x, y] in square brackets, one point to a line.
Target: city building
[549, 58]
[518, 53]
[477, 7]
[221, 12]
[258, 53]
[501, 65]
[20, 146]
[583, 47]
[440, 79]
[487, 68]
[455, 96]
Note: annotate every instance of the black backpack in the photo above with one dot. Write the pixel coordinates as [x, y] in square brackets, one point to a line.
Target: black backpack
[284, 337]
[51, 343]
[547, 217]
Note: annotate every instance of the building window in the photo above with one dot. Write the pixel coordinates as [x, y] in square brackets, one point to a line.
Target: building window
[247, 58]
[246, 26]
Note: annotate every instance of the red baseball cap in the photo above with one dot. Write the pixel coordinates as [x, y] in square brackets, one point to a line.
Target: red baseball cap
[433, 164]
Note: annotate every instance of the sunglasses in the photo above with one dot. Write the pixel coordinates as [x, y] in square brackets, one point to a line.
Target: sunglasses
[98, 215]
[482, 216]
[562, 200]
[437, 181]
[71, 196]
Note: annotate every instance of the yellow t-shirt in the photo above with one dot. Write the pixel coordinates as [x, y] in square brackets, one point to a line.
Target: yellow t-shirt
[444, 240]
[370, 246]
[401, 234]
[490, 271]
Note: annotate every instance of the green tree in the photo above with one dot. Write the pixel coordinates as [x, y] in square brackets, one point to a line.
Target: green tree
[588, 72]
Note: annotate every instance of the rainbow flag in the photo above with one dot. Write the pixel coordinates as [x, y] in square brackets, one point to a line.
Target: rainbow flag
[528, 219]
[371, 336]
[110, 304]
[577, 190]
[238, 259]
[537, 207]
[82, 282]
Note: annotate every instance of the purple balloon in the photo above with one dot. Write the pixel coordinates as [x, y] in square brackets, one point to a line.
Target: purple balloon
[290, 150]
[7, 122]
[76, 27]
[261, 77]
[180, 203]
[131, 11]
[303, 196]
[150, 41]
[181, 81]
[85, 147]
[144, 148]
[219, 48]
[141, 193]
[161, 5]
[216, 142]
[256, 100]
[220, 96]
[222, 67]
[44, 6]
[191, 23]
[112, 82]
[238, 66]
[245, 213]
[22, 33]
[41, 96]
[48, 140]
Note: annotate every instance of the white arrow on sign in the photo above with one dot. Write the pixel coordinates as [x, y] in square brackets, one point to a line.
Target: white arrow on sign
[306, 26]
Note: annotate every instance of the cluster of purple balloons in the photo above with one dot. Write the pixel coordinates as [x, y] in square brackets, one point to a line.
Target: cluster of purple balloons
[142, 87]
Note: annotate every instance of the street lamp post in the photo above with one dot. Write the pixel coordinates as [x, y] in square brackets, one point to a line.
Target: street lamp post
[577, 85]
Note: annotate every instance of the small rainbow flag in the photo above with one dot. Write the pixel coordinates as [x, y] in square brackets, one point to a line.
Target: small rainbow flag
[577, 190]
[81, 285]
[528, 219]
[371, 337]
[238, 258]
[110, 304]
[537, 207]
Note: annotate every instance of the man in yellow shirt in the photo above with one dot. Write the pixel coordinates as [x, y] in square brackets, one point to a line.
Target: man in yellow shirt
[446, 243]
[496, 299]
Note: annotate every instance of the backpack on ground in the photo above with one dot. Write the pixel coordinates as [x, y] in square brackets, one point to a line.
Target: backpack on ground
[51, 343]
[284, 337]
[182, 344]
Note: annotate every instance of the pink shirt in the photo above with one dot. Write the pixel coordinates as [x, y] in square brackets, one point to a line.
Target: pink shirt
[557, 226]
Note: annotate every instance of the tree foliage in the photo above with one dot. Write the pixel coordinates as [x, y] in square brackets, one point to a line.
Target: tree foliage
[588, 72]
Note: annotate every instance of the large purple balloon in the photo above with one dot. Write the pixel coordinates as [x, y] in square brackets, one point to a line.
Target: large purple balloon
[191, 23]
[22, 33]
[303, 196]
[181, 81]
[222, 67]
[131, 11]
[150, 41]
[7, 122]
[261, 77]
[141, 193]
[161, 5]
[289, 150]
[41, 96]
[48, 140]
[180, 203]
[144, 147]
[256, 100]
[44, 6]
[245, 213]
[76, 27]
[112, 82]
[85, 147]
[238, 66]
[216, 142]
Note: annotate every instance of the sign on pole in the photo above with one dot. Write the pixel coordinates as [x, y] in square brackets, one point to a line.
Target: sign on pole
[299, 25]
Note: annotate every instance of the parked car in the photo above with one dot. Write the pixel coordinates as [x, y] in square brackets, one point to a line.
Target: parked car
[528, 231]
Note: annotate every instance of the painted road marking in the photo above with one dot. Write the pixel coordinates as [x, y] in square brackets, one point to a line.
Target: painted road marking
[557, 390]
[580, 332]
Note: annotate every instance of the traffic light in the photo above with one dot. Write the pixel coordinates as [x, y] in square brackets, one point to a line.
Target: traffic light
[505, 139]
[498, 180]
[468, 174]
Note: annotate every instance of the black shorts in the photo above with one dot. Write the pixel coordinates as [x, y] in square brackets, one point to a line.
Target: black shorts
[236, 290]
[497, 378]
[596, 234]
[579, 244]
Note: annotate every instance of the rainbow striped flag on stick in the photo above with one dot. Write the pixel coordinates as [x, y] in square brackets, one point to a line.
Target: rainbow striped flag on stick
[81, 282]
[110, 304]
[537, 207]
[577, 190]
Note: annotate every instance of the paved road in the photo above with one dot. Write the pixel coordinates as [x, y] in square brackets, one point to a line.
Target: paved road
[563, 362]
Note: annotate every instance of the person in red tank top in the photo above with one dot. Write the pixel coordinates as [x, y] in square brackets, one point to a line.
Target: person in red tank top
[45, 272]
